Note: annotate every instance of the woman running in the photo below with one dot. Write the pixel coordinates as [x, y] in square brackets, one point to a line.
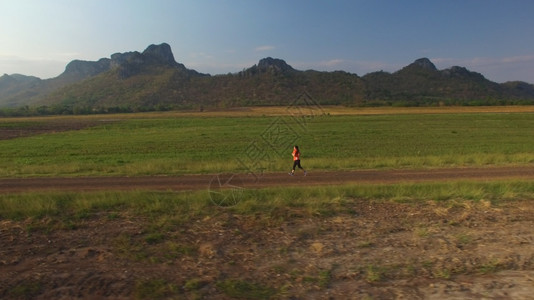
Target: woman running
[296, 161]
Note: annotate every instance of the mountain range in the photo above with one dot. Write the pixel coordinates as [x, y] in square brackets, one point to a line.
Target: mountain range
[153, 80]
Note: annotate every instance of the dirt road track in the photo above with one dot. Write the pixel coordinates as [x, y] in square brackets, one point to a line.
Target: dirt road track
[214, 181]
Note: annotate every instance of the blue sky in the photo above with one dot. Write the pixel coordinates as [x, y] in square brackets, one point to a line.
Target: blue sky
[492, 37]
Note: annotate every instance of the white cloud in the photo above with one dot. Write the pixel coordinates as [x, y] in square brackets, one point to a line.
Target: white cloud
[264, 48]
[518, 59]
[332, 63]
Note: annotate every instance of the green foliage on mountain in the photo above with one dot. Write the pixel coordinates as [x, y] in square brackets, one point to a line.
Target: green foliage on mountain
[160, 87]
[155, 86]
[421, 83]
[275, 88]
[153, 80]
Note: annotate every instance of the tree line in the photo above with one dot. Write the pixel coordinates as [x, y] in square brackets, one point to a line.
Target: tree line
[62, 109]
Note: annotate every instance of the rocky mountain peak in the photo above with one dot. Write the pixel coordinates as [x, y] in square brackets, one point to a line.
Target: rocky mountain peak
[132, 63]
[120, 59]
[154, 54]
[268, 65]
[425, 63]
[160, 54]
[276, 64]
[79, 69]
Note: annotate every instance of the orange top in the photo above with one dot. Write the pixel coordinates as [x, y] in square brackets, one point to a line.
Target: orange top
[296, 154]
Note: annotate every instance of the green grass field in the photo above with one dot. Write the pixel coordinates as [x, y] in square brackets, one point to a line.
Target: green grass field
[177, 145]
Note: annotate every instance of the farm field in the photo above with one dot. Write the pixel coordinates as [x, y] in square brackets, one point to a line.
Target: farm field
[419, 203]
[174, 144]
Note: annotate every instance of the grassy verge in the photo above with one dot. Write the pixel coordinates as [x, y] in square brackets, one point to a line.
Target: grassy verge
[272, 202]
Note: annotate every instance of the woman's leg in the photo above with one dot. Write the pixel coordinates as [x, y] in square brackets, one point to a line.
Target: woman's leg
[295, 163]
[300, 167]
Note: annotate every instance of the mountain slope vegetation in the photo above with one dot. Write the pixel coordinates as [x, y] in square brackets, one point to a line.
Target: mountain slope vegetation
[153, 80]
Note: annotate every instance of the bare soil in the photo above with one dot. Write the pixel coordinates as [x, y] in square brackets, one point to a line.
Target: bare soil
[374, 250]
[37, 126]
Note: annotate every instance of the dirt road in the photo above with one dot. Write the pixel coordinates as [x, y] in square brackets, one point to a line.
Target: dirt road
[214, 181]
